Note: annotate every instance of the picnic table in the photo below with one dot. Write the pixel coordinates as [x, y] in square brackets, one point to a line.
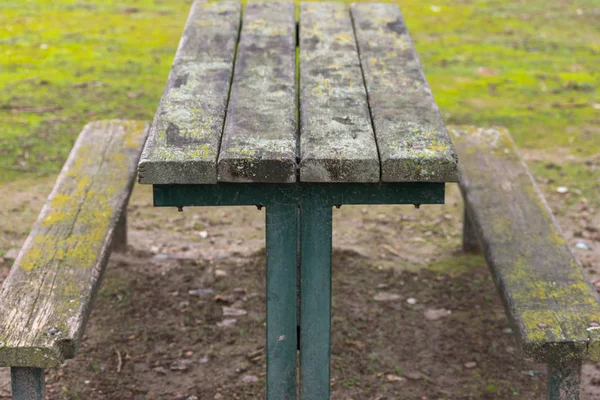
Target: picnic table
[298, 118]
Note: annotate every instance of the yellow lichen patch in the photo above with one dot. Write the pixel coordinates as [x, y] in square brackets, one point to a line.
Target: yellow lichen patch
[30, 258]
[593, 346]
[541, 325]
[134, 131]
[552, 232]
[343, 38]
[437, 147]
[64, 206]
[77, 242]
[75, 221]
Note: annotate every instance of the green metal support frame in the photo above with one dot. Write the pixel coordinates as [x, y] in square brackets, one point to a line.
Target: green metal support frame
[564, 379]
[263, 194]
[298, 217]
[27, 383]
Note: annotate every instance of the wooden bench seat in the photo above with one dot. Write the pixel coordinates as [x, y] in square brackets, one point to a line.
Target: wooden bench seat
[48, 296]
[551, 303]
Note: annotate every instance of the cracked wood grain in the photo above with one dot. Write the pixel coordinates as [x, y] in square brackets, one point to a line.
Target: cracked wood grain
[337, 143]
[47, 298]
[259, 138]
[186, 132]
[412, 139]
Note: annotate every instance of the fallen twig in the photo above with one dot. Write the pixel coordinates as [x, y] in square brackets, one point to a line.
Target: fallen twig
[119, 361]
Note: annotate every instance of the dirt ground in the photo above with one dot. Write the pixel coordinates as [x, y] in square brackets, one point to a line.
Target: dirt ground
[413, 317]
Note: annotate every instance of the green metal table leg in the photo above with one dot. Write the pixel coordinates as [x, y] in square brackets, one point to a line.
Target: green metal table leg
[470, 243]
[315, 300]
[27, 383]
[282, 241]
[564, 380]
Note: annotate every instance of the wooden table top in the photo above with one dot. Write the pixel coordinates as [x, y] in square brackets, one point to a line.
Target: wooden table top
[338, 97]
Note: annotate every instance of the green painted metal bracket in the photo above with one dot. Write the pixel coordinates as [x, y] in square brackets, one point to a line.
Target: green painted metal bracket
[239, 194]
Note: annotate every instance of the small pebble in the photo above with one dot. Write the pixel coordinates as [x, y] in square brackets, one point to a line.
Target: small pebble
[234, 312]
[383, 296]
[583, 246]
[394, 378]
[200, 292]
[411, 300]
[250, 379]
[227, 323]
[161, 370]
[470, 364]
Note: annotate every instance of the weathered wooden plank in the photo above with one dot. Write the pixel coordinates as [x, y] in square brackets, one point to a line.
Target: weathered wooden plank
[259, 139]
[337, 143]
[413, 142]
[553, 306]
[186, 132]
[46, 299]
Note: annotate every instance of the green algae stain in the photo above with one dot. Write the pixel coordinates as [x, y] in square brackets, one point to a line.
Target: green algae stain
[74, 223]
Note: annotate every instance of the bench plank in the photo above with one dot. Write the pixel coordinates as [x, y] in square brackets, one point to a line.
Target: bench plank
[259, 138]
[552, 304]
[337, 143]
[186, 133]
[413, 142]
[46, 299]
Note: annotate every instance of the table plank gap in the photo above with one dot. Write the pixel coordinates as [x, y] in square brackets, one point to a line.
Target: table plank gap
[412, 139]
[260, 134]
[186, 133]
[336, 139]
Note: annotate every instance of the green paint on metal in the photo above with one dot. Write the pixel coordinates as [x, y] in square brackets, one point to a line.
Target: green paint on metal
[281, 231]
[315, 298]
[470, 243]
[28, 384]
[229, 194]
[313, 231]
[564, 380]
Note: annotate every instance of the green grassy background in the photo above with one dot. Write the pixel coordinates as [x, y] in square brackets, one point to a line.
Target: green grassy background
[529, 65]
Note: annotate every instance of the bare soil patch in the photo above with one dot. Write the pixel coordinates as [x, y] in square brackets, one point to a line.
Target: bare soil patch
[413, 317]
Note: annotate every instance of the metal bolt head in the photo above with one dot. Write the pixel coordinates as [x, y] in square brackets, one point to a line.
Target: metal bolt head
[53, 331]
[542, 325]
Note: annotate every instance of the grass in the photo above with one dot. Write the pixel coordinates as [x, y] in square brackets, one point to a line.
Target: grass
[530, 66]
